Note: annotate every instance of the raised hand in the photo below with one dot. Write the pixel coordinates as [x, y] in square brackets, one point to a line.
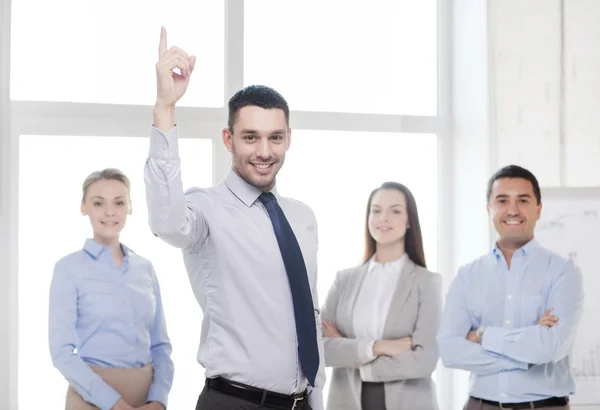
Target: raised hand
[171, 86]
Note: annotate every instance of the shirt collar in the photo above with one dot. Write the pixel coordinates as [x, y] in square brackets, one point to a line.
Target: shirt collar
[94, 249]
[247, 193]
[525, 250]
[396, 265]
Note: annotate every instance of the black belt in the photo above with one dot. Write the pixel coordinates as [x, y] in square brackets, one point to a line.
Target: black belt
[258, 396]
[551, 402]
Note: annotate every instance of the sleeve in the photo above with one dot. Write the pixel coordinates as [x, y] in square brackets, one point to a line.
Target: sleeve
[63, 341]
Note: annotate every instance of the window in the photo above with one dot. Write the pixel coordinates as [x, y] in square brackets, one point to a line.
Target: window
[51, 171]
[105, 52]
[334, 173]
[378, 57]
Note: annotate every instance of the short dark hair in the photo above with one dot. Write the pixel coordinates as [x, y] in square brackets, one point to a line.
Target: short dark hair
[515, 171]
[259, 95]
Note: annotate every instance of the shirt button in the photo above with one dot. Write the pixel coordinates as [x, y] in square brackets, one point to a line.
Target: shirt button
[164, 147]
[508, 322]
[503, 395]
[509, 297]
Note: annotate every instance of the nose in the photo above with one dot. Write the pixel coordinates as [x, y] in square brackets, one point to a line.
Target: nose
[513, 208]
[263, 149]
[109, 211]
[383, 216]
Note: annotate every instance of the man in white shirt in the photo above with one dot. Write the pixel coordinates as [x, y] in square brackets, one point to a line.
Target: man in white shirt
[250, 253]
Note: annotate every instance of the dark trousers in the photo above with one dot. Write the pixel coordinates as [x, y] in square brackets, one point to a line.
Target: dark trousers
[372, 396]
[211, 399]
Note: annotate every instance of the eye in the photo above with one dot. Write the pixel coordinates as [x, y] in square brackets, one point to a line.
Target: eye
[97, 203]
[120, 203]
[250, 137]
[524, 201]
[277, 137]
[375, 211]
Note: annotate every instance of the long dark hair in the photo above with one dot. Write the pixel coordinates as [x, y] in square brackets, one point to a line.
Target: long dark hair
[413, 240]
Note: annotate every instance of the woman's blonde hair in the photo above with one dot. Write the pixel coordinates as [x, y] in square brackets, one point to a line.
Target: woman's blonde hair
[107, 173]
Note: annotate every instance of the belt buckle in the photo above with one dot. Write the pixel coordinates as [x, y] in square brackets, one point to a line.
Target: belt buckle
[296, 400]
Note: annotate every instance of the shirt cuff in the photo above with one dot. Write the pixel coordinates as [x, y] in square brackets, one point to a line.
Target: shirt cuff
[315, 399]
[158, 394]
[164, 146]
[493, 339]
[365, 352]
[105, 397]
[366, 372]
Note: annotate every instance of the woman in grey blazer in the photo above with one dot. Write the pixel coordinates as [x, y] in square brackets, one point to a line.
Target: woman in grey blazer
[380, 318]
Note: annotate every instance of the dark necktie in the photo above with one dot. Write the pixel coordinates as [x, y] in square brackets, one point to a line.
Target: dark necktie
[293, 261]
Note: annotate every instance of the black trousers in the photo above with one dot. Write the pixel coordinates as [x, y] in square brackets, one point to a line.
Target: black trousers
[373, 396]
[211, 399]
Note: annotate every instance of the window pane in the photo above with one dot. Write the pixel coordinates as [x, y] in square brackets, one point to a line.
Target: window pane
[377, 57]
[51, 171]
[334, 173]
[106, 51]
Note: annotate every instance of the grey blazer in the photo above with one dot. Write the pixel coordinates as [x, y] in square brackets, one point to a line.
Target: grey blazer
[415, 311]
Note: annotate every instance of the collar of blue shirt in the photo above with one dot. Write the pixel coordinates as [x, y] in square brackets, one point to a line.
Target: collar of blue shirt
[94, 249]
[525, 249]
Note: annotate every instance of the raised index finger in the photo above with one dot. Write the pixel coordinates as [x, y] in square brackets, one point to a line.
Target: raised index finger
[162, 46]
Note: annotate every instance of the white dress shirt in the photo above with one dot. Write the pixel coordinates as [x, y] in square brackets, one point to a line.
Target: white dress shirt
[373, 303]
[236, 271]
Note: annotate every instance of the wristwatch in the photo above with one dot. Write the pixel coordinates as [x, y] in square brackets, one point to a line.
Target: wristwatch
[479, 333]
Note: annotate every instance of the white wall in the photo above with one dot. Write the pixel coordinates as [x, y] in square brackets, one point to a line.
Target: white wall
[548, 125]
[7, 255]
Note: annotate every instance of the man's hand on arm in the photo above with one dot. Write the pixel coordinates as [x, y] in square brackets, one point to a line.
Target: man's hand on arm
[546, 320]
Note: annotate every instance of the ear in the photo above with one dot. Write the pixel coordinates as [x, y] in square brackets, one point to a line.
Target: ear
[539, 210]
[130, 210]
[289, 138]
[227, 139]
[487, 208]
[82, 209]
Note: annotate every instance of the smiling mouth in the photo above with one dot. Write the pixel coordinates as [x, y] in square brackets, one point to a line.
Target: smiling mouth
[513, 223]
[109, 223]
[263, 167]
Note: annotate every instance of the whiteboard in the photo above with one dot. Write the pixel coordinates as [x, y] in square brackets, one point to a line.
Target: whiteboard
[570, 226]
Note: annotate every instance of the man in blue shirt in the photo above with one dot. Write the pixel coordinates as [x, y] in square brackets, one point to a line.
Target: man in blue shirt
[511, 315]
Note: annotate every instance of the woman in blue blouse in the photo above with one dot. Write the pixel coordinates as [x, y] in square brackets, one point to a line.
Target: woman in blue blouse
[107, 329]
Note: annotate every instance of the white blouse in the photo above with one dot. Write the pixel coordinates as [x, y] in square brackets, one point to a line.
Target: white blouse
[373, 303]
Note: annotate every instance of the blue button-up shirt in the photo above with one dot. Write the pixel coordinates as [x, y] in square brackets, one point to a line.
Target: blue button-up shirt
[107, 316]
[517, 360]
